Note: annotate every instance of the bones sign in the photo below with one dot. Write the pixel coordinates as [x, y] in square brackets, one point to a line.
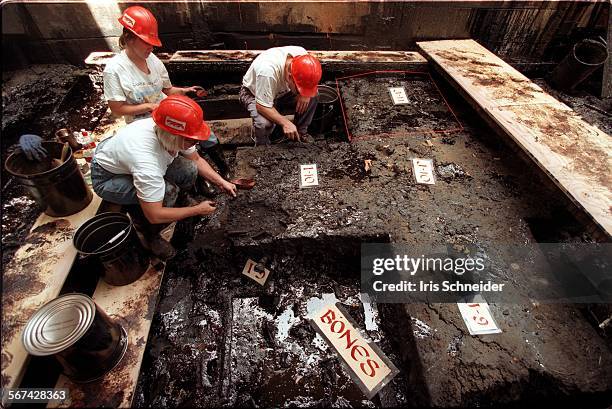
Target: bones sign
[368, 365]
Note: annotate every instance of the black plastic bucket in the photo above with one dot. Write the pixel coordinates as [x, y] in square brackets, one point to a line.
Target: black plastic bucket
[60, 190]
[586, 56]
[124, 259]
[327, 110]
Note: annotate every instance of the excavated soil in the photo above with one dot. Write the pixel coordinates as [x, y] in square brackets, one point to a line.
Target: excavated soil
[219, 339]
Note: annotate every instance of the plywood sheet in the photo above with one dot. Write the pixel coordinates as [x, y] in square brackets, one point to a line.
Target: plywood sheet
[576, 155]
[133, 305]
[34, 277]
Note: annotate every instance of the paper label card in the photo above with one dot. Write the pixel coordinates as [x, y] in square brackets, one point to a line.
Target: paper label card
[252, 272]
[478, 319]
[367, 364]
[398, 95]
[423, 171]
[308, 175]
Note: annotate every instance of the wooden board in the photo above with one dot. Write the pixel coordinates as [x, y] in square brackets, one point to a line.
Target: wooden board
[239, 60]
[34, 277]
[574, 154]
[133, 305]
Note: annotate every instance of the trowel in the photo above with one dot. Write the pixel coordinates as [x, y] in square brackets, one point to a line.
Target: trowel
[244, 183]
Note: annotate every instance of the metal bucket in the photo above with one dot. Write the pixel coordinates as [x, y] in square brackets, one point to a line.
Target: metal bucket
[60, 190]
[124, 259]
[585, 58]
[86, 342]
[327, 110]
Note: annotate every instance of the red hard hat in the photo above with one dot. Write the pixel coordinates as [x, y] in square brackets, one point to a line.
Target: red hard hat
[306, 72]
[182, 116]
[141, 22]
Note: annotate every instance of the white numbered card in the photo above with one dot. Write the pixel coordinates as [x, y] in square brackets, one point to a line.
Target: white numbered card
[423, 171]
[398, 95]
[308, 175]
[477, 317]
[254, 273]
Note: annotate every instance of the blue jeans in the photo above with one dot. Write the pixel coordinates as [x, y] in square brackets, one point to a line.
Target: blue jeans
[211, 141]
[119, 189]
[263, 127]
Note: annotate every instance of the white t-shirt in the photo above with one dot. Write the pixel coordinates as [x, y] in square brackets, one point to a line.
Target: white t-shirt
[124, 81]
[135, 150]
[265, 77]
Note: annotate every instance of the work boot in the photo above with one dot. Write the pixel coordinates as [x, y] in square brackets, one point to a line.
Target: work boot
[216, 154]
[277, 136]
[307, 138]
[152, 241]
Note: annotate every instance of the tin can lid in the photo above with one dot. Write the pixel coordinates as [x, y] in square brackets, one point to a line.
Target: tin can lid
[58, 324]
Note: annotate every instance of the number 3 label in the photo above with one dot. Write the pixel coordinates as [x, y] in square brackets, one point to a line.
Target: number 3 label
[250, 271]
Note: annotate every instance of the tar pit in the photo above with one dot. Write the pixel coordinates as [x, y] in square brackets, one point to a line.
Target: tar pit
[220, 339]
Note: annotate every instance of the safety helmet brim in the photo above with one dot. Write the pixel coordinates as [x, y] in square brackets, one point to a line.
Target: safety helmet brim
[307, 92]
[154, 41]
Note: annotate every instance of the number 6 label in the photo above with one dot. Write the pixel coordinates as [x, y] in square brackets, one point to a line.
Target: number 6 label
[308, 175]
[478, 318]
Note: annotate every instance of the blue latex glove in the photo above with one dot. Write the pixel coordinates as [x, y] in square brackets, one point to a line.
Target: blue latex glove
[31, 147]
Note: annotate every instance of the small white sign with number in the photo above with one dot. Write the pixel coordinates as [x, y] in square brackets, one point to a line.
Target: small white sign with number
[477, 316]
[398, 95]
[423, 171]
[308, 175]
[252, 272]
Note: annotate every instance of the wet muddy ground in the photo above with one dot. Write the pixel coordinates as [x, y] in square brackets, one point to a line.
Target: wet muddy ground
[219, 339]
[250, 346]
[370, 111]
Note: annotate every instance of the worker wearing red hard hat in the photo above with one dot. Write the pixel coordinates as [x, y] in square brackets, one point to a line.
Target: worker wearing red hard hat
[135, 80]
[149, 162]
[278, 77]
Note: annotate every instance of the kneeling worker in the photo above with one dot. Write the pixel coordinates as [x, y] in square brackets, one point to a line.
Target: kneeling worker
[145, 164]
[281, 76]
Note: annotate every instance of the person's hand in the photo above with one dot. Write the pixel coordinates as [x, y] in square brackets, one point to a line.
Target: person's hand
[302, 104]
[152, 106]
[291, 131]
[31, 147]
[206, 207]
[197, 90]
[228, 188]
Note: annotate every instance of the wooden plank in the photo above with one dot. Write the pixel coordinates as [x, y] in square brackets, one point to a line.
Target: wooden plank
[241, 59]
[134, 306]
[37, 273]
[575, 154]
[34, 277]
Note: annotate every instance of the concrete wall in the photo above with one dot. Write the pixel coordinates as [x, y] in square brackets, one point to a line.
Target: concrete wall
[527, 31]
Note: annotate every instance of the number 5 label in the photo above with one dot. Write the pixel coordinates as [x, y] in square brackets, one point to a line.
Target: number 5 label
[308, 175]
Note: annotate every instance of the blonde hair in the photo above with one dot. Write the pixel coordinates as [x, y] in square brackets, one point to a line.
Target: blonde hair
[126, 36]
[169, 141]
